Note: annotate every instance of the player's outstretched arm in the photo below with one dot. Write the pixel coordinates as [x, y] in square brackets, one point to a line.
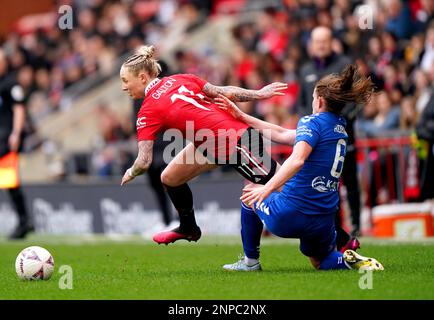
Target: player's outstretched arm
[257, 193]
[142, 163]
[270, 131]
[242, 95]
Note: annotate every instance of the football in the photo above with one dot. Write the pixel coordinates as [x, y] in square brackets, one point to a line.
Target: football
[34, 263]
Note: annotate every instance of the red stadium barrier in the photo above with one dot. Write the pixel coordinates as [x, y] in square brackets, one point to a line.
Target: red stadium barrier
[388, 163]
[388, 169]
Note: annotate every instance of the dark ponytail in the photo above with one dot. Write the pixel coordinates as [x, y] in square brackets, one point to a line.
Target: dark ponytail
[347, 86]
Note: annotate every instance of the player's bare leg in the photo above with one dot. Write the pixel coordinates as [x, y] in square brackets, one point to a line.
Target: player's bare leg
[187, 165]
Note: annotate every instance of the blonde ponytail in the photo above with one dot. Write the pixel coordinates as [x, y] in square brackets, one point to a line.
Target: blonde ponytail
[147, 52]
[143, 60]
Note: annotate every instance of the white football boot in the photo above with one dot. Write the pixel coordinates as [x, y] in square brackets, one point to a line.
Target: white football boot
[359, 262]
[241, 265]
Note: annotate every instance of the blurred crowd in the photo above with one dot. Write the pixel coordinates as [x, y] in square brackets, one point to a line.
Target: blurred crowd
[390, 40]
[396, 49]
[47, 60]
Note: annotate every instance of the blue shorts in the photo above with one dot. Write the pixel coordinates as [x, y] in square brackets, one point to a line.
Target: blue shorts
[316, 232]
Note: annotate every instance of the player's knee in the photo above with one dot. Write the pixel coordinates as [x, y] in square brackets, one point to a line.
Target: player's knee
[315, 263]
[169, 180]
[165, 178]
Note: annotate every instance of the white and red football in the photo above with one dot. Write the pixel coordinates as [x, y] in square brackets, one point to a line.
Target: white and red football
[34, 263]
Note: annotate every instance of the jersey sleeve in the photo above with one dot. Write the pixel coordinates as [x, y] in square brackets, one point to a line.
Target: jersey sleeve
[199, 81]
[148, 125]
[308, 131]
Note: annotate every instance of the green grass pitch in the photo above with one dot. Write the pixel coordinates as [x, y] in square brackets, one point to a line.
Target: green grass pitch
[137, 269]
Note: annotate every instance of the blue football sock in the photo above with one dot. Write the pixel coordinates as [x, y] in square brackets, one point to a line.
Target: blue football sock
[251, 230]
[333, 261]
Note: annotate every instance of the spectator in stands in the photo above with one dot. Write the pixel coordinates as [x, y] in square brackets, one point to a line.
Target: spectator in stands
[428, 54]
[392, 83]
[388, 115]
[414, 49]
[103, 162]
[425, 14]
[375, 49]
[399, 21]
[366, 70]
[323, 61]
[112, 127]
[408, 115]
[365, 121]
[386, 119]
[39, 105]
[422, 90]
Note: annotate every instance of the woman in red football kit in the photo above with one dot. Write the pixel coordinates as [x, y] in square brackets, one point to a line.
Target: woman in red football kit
[184, 102]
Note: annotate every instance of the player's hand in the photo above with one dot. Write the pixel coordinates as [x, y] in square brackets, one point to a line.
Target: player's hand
[127, 177]
[255, 193]
[226, 104]
[14, 141]
[273, 89]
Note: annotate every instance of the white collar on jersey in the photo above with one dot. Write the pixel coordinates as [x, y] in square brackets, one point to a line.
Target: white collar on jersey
[151, 84]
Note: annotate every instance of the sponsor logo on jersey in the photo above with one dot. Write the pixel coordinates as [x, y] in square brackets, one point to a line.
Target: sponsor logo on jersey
[339, 129]
[321, 185]
[141, 123]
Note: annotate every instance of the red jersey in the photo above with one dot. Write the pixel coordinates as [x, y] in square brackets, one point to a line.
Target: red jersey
[178, 102]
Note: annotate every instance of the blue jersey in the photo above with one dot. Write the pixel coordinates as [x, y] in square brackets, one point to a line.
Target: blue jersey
[314, 189]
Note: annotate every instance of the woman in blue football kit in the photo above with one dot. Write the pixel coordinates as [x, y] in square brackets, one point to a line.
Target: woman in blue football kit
[306, 205]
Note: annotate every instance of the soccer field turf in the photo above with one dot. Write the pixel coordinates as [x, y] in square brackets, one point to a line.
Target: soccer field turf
[136, 269]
